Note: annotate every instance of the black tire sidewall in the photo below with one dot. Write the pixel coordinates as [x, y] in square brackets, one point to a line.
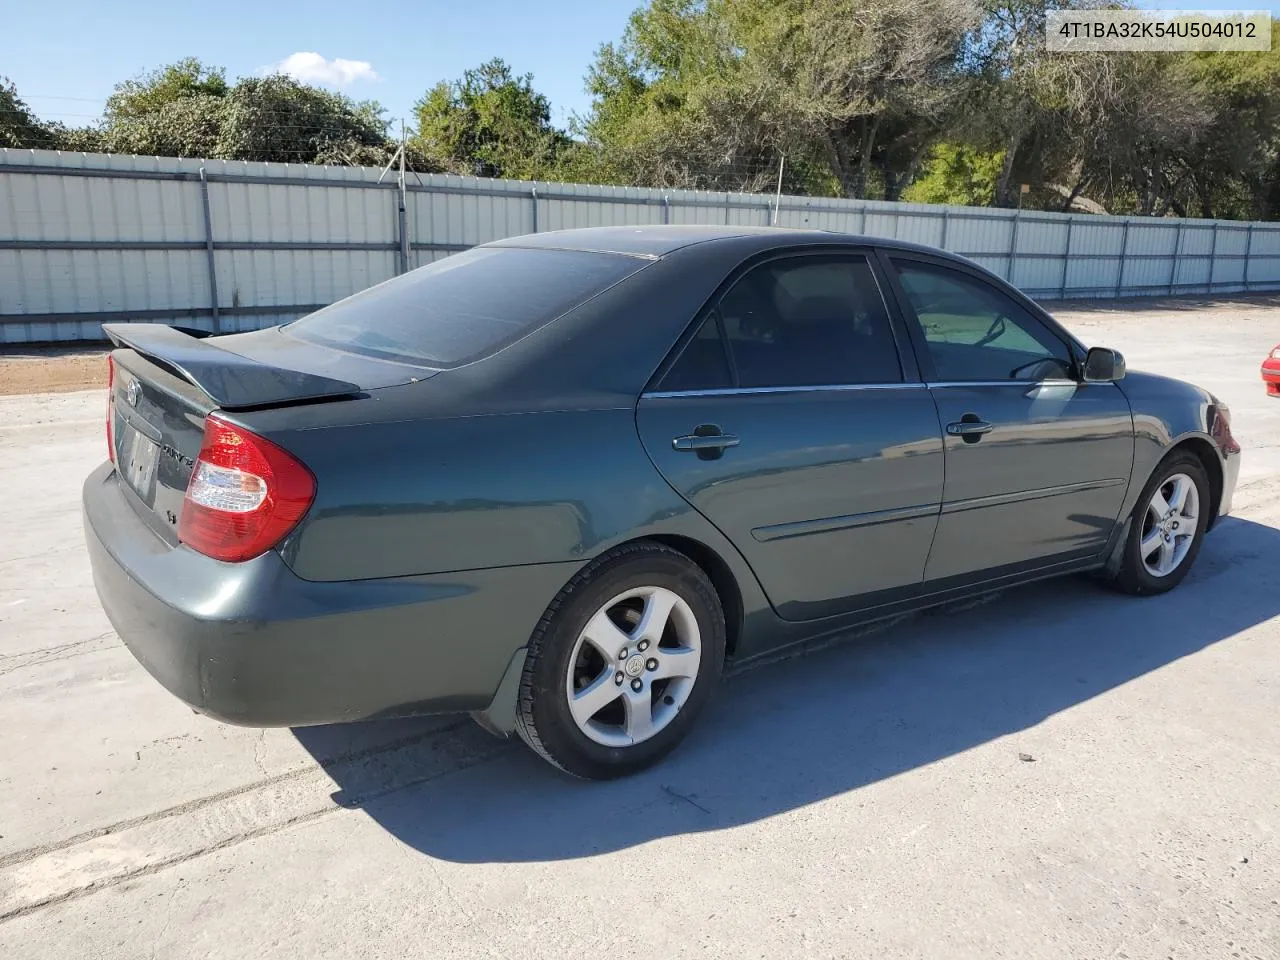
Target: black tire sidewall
[1134, 577]
[543, 695]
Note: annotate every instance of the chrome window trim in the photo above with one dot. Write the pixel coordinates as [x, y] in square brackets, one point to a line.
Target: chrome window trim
[1056, 382]
[818, 388]
[848, 387]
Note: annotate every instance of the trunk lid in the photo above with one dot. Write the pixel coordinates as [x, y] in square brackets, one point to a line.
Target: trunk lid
[166, 381]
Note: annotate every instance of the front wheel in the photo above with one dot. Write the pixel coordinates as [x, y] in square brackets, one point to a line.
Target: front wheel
[1167, 527]
[622, 662]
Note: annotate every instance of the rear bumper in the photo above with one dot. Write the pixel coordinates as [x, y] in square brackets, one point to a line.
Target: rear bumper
[251, 643]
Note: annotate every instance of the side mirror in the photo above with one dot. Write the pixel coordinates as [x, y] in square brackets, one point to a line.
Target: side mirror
[1102, 365]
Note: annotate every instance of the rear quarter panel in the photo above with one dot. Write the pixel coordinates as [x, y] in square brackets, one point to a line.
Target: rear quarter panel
[433, 496]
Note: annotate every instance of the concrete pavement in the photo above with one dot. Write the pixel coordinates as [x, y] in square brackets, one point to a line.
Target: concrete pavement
[1060, 772]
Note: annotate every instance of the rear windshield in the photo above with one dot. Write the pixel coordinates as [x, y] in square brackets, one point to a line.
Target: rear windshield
[465, 306]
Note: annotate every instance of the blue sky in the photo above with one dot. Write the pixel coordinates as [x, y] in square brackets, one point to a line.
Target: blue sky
[66, 55]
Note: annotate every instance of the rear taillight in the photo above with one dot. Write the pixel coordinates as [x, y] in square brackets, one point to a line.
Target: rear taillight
[111, 408]
[244, 496]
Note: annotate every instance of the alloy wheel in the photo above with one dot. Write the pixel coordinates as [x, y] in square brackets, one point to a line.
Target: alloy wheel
[633, 666]
[1169, 525]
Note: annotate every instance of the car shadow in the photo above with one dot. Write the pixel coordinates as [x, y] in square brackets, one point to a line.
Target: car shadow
[791, 733]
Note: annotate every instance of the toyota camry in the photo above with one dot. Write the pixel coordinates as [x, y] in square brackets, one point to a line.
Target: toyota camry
[560, 481]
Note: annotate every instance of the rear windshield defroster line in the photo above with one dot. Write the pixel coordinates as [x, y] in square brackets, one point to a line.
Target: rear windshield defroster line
[465, 306]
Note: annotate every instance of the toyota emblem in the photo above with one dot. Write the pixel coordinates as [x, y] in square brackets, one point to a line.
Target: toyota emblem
[133, 393]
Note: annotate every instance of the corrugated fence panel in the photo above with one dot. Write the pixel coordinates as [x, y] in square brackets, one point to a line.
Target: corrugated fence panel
[918, 225]
[1264, 264]
[690, 207]
[462, 215]
[1039, 257]
[86, 238]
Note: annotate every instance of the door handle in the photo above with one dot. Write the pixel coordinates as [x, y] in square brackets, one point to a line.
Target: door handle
[969, 428]
[698, 441]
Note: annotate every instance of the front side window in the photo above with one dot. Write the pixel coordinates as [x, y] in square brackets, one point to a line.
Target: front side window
[975, 332]
[803, 321]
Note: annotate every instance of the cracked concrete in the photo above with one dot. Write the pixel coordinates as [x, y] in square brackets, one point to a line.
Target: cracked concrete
[870, 798]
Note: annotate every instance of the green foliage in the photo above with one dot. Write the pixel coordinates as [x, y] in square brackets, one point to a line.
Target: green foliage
[153, 91]
[278, 118]
[184, 127]
[19, 127]
[957, 174]
[490, 123]
[187, 109]
[674, 104]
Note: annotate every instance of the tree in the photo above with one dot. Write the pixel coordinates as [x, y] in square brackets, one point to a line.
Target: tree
[673, 105]
[713, 90]
[277, 118]
[490, 123]
[152, 92]
[187, 126]
[870, 82]
[1234, 168]
[959, 174]
[187, 109]
[19, 127]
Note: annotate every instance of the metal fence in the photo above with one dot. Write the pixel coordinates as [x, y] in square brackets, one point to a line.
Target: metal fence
[225, 245]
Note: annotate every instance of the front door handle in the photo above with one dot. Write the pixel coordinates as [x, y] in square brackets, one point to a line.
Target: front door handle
[969, 428]
[696, 441]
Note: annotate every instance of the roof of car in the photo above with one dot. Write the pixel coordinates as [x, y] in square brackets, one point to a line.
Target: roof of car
[658, 240]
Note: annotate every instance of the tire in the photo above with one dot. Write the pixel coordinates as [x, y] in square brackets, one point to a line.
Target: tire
[602, 610]
[1140, 576]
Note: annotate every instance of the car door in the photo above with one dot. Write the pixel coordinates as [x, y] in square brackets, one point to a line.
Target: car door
[1037, 462]
[787, 419]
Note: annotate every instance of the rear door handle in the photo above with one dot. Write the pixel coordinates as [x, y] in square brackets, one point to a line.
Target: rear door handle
[969, 427]
[695, 441]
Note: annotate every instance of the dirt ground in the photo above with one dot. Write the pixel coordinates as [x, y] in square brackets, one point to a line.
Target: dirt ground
[52, 370]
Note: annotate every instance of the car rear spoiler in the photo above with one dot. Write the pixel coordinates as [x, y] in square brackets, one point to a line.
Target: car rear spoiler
[230, 380]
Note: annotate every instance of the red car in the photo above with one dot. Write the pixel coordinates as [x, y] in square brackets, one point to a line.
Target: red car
[1271, 372]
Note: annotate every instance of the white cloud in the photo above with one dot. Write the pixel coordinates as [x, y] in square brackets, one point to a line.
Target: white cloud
[313, 68]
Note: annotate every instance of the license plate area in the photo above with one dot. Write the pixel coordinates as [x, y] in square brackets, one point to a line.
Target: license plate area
[138, 458]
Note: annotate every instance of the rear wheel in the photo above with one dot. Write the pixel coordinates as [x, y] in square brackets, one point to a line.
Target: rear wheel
[622, 662]
[1167, 527]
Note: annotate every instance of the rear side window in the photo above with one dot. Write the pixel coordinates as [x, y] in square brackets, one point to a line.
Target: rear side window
[805, 321]
[703, 365]
[465, 306]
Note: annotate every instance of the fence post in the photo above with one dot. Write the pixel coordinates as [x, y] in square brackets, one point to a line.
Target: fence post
[1213, 258]
[208, 250]
[1248, 255]
[666, 208]
[1066, 261]
[402, 228]
[1177, 255]
[862, 226]
[534, 193]
[1124, 252]
[946, 222]
[1013, 245]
